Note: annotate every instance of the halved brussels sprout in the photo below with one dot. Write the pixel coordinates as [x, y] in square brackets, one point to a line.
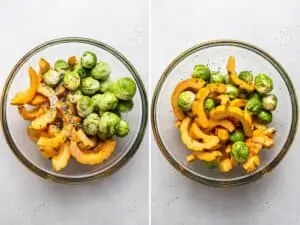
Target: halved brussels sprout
[216, 77]
[232, 91]
[263, 84]
[71, 80]
[240, 152]
[269, 102]
[88, 60]
[246, 76]
[101, 71]
[122, 129]
[89, 86]
[201, 72]
[108, 125]
[91, 124]
[236, 136]
[84, 106]
[124, 88]
[52, 77]
[107, 101]
[61, 65]
[186, 100]
[125, 106]
[264, 117]
[254, 105]
[209, 104]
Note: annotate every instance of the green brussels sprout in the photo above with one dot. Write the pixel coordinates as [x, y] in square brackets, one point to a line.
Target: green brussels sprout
[122, 129]
[209, 104]
[125, 106]
[71, 80]
[201, 72]
[254, 95]
[236, 136]
[124, 88]
[88, 60]
[239, 152]
[269, 102]
[246, 76]
[211, 164]
[101, 71]
[264, 117]
[89, 86]
[60, 65]
[263, 84]
[254, 105]
[80, 70]
[232, 91]
[96, 98]
[84, 106]
[106, 86]
[74, 96]
[227, 80]
[90, 124]
[107, 101]
[51, 78]
[217, 78]
[185, 100]
[108, 124]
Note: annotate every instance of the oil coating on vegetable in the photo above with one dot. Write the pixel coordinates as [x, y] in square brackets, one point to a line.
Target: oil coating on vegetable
[91, 124]
[88, 60]
[269, 102]
[263, 84]
[84, 106]
[186, 100]
[253, 106]
[201, 72]
[71, 80]
[108, 125]
[89, 86]
[101, 71]
[239, 152]
[246, 76]
[107, 101]
[52, 78]
[124, 88]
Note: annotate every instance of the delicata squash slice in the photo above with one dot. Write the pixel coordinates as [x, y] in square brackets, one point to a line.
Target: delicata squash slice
[41, 122]
[220, 123]
[191, 143]
[188, 84]
[25, 97]
[94, 156]
[61, 160]
[30, 114]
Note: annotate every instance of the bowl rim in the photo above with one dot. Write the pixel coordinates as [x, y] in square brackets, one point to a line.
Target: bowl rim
[60, 178]
[235, 181]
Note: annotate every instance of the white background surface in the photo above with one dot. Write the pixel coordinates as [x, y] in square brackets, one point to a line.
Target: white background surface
[273, 25]
[121, 199]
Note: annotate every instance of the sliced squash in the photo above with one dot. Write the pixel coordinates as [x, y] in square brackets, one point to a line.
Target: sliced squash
[234, 78]
[252, 163]
[72, 108]
[53, 130]
[72, 60]
[41, 122]
[84, 141]
[45, 90]
[39, 100]
[238, 102]
[61, 160]
[188, 84]
[223, 99]
[30, 114]
[198, 109]
[191, 158]
[263, 140]
[196, 133]
[226, 165]
[191, 143]
[44, 66]
[222, 111]
[34, 135]
[222, 134]
[60, 91]
[208, 156]
[25, 97]
[253, 146]
[220, 123]
[228, 149]
[97, 155]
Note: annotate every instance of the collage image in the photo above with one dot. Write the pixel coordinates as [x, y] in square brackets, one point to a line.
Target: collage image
[149, 112]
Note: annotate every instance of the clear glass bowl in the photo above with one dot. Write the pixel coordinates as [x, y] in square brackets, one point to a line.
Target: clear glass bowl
[14, 126]
[215, 54]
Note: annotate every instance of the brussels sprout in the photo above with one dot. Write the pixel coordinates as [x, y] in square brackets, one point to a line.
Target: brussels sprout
[246, 76]
[269, 102]
[101, 71]
[88, 60]
[73, 96]
[232, 91]
[254, 106]
[80, 70]
[236, 136]
[239, 152]
[185, 100]
[107, 101]
[263, 84]
[60, 65]
[106, 86]
[125, 106]
[89, 86]
[108, 125]
[209, 104]
[254, 95]
[217, 78]
[96, 98]
[84, 106]
[71, 80]
[51, 78]
[201, 72]
[227, 79]
[124, 88]
[90, 124]
[122, 129]
[210, 164]
[264, 117]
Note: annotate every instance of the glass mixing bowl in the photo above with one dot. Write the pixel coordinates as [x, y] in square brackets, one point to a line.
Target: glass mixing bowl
[14, 126]
[215, 54]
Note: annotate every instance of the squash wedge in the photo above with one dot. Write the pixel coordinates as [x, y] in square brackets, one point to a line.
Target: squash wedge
[72, 60]
[191, 143]
[97, 155]
[226, 165]
[208, 156]
[222, 134]
[223, 99]
[238, 102]
[188, 84]
[252, 163]
[30, 114]
[44, 66]
[234, 78]
[196, 133]
[61, 160]
[53, 130]
[253, 146]
[34, 135]
[39, 100]
[83, 140]
[41, 122]
[202, 94]
[220, 123]
[222, 111]
[25, 97]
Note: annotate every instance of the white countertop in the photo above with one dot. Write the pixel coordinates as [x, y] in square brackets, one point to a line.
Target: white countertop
[273, 25]
[121, 199]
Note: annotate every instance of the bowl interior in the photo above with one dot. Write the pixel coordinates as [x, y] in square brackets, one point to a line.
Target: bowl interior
[15, 126]
[216, 56]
